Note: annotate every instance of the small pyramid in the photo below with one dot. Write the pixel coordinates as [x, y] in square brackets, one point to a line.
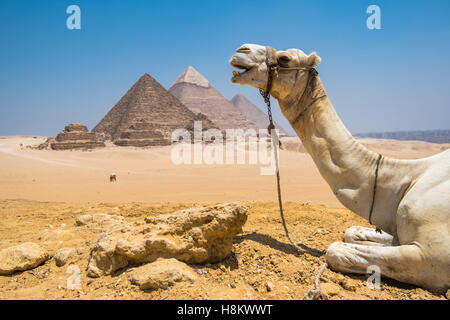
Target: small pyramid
[192, 76]
[196, 93]
[253, 113]
[146, 115]
[75, 136]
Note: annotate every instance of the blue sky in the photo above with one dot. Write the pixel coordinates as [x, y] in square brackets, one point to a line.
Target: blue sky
[396, 78]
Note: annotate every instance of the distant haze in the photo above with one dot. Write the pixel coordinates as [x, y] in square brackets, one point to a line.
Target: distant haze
[434, 136]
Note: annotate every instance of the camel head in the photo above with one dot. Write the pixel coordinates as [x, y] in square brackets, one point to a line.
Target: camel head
[251, 59]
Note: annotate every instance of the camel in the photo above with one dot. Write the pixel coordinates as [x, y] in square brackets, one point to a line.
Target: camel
[408, 202]
[112, 177]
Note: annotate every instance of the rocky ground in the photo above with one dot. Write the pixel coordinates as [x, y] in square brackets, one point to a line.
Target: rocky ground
[261, 264]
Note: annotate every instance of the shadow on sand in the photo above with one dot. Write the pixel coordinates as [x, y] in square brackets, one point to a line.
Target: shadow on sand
[277, 245]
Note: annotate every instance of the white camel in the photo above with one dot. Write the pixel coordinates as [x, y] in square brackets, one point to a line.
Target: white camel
[412, 197]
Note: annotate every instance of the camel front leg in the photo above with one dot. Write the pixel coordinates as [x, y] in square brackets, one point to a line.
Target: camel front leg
[368, 236]
[402, 263]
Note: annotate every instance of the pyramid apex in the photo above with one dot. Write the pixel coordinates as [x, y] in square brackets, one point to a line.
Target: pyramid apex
[192, 76]
[145, 75]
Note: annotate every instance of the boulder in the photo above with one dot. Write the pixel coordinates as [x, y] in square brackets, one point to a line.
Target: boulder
[330, 288]
[101, 222]
[102, 259]
[196, 235]
[63, 255]
[56, 236]
[270, 286]
[22, 257]
[83, 220]
[161, 274]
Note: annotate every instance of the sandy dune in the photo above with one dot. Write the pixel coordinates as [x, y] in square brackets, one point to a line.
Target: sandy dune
[148, 175]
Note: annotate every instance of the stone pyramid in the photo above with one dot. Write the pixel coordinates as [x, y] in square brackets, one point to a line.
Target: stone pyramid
[147, 115]
[253, 113]
[75, 136]
[196, 93]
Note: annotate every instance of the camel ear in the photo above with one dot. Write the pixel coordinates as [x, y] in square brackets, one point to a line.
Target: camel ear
[313, 60]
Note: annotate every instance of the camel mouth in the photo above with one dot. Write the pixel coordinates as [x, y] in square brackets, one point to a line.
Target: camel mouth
[237, 73]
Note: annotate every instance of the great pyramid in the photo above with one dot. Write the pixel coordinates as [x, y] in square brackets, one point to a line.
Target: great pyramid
[253, 113]
[196, 93]
[147, 115]
[75, 136]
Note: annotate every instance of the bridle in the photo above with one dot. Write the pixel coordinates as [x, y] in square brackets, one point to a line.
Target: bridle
[272, 70]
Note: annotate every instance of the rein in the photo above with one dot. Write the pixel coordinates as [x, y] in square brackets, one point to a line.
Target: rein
[273, 68]
[374, 192]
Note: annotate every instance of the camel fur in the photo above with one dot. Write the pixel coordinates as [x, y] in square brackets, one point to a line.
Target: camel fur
[412, 203]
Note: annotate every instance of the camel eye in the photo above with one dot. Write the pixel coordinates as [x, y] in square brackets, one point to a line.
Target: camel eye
[284, 59]
[243, 50]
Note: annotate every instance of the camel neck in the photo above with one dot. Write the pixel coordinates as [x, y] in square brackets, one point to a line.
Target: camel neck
[343, 162]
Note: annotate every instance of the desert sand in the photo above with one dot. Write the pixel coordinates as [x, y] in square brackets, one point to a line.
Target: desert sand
[148, 175]
[42, 192]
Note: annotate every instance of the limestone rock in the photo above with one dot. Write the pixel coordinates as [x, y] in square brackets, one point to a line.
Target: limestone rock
[163, 273]
[63, 255]
[56, 236]
[348, 285]
[22, 257]
[101, 222]
[83, 220]
[102, 259]
[46, 145]
[270, 286]
[330, 288]
[195, 235]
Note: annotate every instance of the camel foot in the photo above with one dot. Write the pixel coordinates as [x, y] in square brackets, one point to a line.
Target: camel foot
[403, 263]
[368, 236]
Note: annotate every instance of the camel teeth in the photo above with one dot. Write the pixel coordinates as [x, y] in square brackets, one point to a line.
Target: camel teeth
[236, 73]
